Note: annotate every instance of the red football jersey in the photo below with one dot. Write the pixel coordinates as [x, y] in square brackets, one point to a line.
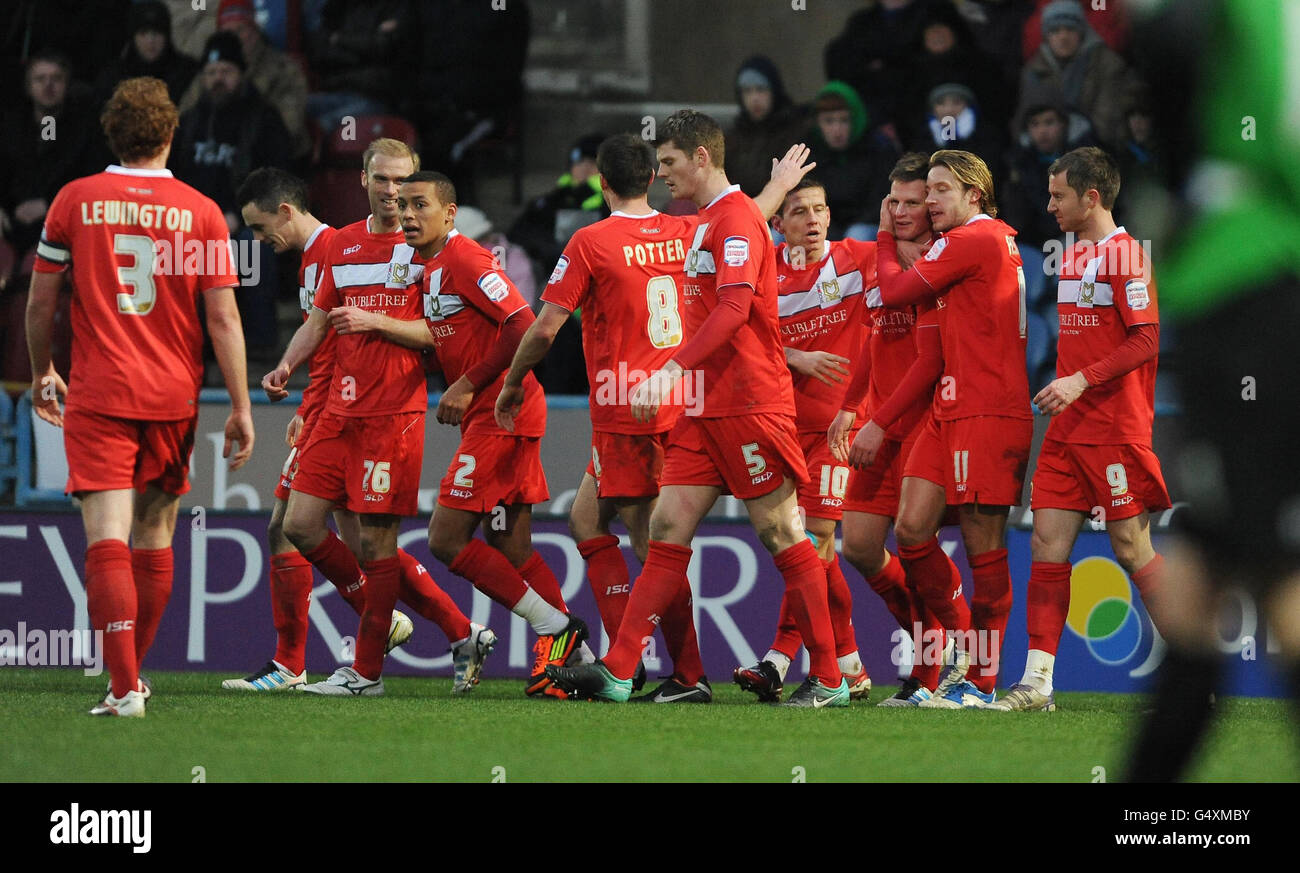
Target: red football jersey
[978, 278]
[142, 246]
[625, 272]
[821, 307]
[732, 246]
[892, 349]
[322, 360]
[377, 272]
[1105, 289]
[467, 297]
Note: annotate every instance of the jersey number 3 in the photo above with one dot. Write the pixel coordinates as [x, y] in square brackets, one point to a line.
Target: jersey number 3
[138, 276]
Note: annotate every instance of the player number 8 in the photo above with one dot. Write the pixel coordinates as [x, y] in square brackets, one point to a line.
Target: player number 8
[377, 478]
[665, 325]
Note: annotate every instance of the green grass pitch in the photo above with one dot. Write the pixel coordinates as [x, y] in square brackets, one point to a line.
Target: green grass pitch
[418, 731]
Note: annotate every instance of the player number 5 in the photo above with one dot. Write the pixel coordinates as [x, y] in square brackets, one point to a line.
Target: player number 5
[377, 478]
[755, 461]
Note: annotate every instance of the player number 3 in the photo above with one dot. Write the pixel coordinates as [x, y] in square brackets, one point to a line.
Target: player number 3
[377, 478]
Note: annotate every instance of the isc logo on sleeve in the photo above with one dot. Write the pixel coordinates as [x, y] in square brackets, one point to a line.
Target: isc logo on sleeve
[735, 251]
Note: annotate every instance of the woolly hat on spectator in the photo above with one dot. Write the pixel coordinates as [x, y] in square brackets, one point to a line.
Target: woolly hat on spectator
[752, 78]
[1064, 13]
[234, 11]
[224, 46]
[472, 222]
[150, 15]
[586, 147]
[955, 89]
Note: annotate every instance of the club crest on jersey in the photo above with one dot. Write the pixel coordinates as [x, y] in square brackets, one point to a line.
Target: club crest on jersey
[829, 291]
[399, 274]
[735, 251]
[561, 267]
[1138, 298]
[493, 286]
[937, 249]
[1087, 291]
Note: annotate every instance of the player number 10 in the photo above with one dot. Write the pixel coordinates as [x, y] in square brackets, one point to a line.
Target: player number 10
[665, 325]
[377, 478]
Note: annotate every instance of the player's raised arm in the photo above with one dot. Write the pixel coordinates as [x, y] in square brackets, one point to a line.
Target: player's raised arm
[227, 333]
[787, 172]
[899, 286]
[47, 386]
[533, 347]
[412, 334]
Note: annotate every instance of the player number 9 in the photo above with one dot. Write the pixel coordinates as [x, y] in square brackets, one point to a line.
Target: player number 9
[1117, 479]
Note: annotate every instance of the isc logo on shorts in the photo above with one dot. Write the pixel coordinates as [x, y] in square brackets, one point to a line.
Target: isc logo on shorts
[832, 501]
[759, 480]
[1122, 501]
[461, 492]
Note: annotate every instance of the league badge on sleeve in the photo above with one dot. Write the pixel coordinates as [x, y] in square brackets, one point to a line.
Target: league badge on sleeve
[735, 251]
[937, 249]
[1138, 297]
[493, 286]
[561, 267]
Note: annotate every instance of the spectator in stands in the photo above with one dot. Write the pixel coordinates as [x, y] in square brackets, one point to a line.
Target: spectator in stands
[955, 121]
[1140, 157]
[996, 27]
[873, 54]
[514, 261]
[51, 139]
[1073, 67]
[945, 51]
[190, 28]
[278, 78]
[768, 124]
[853, 161]
[1110, 20]
[547, 223]
[1022, 198]
[230, 132]
[355, 53]
[149, 52]
[466, 83]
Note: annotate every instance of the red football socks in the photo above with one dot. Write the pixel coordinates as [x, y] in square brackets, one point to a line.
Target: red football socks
[891, 585]
[805, 584]
[152, 569]
[931, 573]
[337, 564]
[840, 602]
[787, 641]
[1047, 604]
[990, 607]
[927, 648]
[291, 584]
[679, 636]
[1147, 579]
[541, 579]
[608, 576]
[418, 590]
[383, 578]
[111, 601]
[653, 594]
[490, 572]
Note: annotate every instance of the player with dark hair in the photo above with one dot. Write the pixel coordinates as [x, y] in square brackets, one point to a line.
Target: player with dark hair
[137, 365]
[274, 206]
[1096, 458]
[973, 448]
[626, 274]
[743, 441]
[473, 318]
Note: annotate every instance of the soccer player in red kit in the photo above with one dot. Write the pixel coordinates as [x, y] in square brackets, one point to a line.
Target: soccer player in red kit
[274, 205]
[743, 440]
[365, 448]
[626, 273]
[473, 319]
[974, 447]
[1097, 453]
[822, 287]
[137, 364]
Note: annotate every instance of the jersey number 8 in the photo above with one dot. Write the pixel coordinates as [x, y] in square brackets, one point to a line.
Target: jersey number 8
[665, 325]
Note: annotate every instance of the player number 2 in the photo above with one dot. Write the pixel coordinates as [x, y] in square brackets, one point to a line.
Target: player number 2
[138, 276]
[960, 465]
[665, 325]
[755, 461]
[835, 481]
[1117, 479]
[377, 478]
[462, 478]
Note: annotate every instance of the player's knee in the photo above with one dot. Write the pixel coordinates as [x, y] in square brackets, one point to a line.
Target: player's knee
[1131, 555]
[867, 558]
[909, 533]
[299, 533]
[444, 545]
[582, 527]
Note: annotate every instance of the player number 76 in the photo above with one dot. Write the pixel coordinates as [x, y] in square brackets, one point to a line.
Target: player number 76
[376, 478]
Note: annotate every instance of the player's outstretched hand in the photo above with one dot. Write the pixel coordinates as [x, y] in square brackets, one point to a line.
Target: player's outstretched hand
[653, 391]
[866, 445]
[352, 319]
[455, 401]
[790, 169]
[1053, 399]
[239, 431]
[274, 382]
[837, 435]
[886, 217]
[295, 428]
[822, 366]
[509, 402]
[46, 392]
